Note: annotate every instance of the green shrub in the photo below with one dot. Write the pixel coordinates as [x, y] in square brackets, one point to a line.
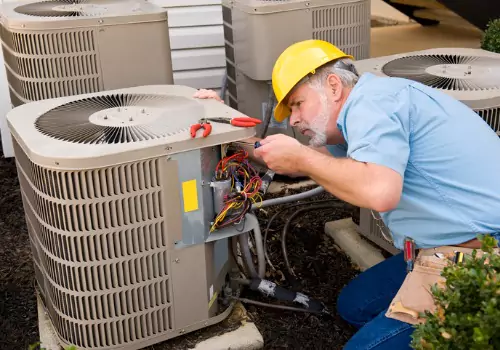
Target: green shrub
[491, 37]
[467, 312]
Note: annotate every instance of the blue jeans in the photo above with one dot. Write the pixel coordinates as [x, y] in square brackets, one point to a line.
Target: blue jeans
[364, 301]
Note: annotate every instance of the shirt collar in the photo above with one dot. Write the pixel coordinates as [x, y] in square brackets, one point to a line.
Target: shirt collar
[345, 108]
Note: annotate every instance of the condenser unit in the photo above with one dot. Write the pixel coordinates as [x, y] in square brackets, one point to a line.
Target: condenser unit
[59, 48]
[469, 75]
[119, 201]
[68, 47]
[256, 32]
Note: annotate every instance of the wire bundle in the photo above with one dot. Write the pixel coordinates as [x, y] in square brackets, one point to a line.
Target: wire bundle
[245, 185]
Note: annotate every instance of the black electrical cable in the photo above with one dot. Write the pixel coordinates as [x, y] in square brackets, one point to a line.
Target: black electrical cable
[281, 211]
[287, 225]
[259, 303]
[312, 206]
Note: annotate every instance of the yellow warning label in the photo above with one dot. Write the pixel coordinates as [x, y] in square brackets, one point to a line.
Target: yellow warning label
[212, 300]
[190, 195]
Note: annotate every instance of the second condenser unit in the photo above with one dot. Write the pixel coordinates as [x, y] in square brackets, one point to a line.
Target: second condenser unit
[62, 48]
[256, 32]
[472, 76]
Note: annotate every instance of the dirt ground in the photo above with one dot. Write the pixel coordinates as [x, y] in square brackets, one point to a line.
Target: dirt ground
[321, 272]
[18, 311]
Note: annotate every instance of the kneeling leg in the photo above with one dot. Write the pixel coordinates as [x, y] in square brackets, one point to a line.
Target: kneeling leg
[371, 291]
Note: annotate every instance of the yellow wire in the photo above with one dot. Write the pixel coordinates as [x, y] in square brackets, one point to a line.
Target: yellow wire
[249, 187]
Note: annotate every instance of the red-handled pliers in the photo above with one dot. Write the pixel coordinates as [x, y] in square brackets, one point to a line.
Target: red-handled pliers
[243, 122]
[202, 124]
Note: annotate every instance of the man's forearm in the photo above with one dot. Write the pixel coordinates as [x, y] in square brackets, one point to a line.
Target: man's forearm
[345, 178]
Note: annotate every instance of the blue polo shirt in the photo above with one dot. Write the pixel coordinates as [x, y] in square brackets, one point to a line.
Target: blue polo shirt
[448, 156]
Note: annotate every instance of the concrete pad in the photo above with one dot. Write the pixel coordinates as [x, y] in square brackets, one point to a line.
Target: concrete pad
[413, 37]
[381, 9]
[246, 337]
[362, 253]
[48, 339]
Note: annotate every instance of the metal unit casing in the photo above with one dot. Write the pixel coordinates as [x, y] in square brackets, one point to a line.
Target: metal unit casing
[256, 32]
[118, 212]
[55, 48]
[370, 225]
[472, 76]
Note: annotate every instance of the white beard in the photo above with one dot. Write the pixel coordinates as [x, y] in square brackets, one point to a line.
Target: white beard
[319, 124]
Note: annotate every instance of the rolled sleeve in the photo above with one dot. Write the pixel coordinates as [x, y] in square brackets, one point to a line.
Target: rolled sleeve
[377, 130]
[338, 151]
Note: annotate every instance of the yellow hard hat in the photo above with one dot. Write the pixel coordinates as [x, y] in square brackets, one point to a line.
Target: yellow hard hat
[295, 63]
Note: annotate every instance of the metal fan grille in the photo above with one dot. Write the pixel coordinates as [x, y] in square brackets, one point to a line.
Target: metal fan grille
[64, 8]
[492, 117]
[448, 72]
[119, 118]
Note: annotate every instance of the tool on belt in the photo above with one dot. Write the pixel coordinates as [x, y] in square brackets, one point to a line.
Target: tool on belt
[242, 122]
[409, 253]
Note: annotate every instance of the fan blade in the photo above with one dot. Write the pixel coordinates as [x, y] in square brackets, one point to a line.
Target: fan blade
[64, 8]
[71, 122]
[415, 67]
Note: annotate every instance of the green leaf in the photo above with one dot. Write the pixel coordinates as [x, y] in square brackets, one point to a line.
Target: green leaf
[491, 37]
[34, 346]
[468, 307]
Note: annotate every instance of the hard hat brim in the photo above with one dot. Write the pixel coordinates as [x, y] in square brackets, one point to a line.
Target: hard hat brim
[281, 112]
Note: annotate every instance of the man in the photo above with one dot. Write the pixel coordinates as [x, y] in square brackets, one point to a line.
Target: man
[425, 161]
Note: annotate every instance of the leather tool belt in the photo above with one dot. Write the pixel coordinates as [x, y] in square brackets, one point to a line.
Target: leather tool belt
[414, 296]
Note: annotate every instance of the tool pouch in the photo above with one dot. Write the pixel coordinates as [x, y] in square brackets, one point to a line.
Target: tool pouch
[414, 296]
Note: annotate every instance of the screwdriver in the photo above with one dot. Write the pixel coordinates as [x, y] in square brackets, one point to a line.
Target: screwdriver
[409, 253]
[268, 176]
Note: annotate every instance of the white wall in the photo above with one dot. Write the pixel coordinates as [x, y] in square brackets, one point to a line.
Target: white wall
[197, 42]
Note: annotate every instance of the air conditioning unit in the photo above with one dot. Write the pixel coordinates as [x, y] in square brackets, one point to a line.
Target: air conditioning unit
[256, 32]
[469, 75]
[59, 48]
[119, 201]
[370, 225]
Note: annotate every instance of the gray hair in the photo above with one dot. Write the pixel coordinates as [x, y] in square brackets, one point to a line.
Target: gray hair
[343, 68]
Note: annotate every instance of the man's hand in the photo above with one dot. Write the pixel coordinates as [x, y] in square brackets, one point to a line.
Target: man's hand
[281, 153]
[207, 94]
